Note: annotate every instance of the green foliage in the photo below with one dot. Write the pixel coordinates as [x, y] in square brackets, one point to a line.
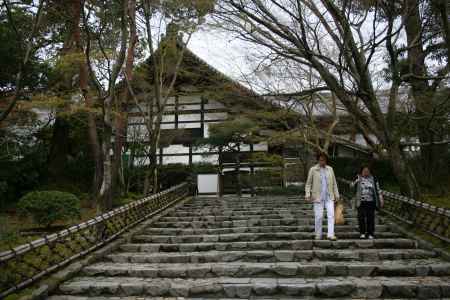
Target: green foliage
[169, 175]
[272, 159]
[129, 197]
[24, 156]
[203, 168]
[173, 174]
[268, 177]
[228, 134]
[185, 12]
[12, 52]
[22, 166]
[347, 168]
[47, 207]
[7, 234]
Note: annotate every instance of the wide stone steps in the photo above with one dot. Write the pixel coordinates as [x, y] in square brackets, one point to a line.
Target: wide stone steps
[212, 218]
[245, 204]
[242, 207]
[423, 287]
[266, 213]
[274, 245]
[246, 237]
[279, 269]
[68, 297]
[259, 248]
[249, 223]
[249, 201]
[272, 256]
[260, 229]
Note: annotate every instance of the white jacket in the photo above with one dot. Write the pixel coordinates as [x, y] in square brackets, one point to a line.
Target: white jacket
[313, 184]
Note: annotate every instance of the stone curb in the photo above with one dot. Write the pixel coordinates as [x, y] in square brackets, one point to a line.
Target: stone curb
[42, 288]
[420, 242]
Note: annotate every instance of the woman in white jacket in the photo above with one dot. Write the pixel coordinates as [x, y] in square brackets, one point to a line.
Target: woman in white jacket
[321, 188]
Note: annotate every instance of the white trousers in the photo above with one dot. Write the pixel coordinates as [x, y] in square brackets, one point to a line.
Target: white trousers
[318, 217]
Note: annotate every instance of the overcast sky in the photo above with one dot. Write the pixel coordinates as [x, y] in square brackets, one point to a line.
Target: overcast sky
[222, 51]
[232, 56]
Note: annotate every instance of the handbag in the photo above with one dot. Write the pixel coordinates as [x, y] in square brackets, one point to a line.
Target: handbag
[339, 213]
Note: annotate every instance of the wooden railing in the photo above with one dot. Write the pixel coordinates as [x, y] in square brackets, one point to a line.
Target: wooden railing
[25, 264]
[429, 218]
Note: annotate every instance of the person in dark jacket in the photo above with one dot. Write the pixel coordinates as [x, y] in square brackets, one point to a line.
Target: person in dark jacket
[368, 199]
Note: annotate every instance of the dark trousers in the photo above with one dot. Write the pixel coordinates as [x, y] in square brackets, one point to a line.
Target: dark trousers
[366, 217]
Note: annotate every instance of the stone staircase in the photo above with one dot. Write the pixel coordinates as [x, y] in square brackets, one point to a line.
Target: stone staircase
[259, 248]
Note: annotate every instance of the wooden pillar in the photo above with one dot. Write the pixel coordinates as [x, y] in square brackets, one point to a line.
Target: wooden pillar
[202, 115]
[190, 154]
[176, 112]
[220, 173]
[238, 171]
[252, 171]
[283, 173]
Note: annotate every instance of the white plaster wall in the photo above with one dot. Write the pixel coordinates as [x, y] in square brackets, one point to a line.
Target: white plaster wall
[207, 183]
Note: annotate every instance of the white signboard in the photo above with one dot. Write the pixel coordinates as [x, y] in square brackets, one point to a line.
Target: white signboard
[207, 183]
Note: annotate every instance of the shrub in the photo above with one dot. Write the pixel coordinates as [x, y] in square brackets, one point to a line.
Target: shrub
[47, 207]
[125, 199]
[348, 167]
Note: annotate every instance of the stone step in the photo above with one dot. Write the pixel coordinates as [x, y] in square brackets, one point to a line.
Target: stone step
[212, 218]
[246, 237]
[261, 229]
[70, 297]
[254, 200]
[249, 223]
[250, 211]
[245, 215]
[271, 270]
[203, 212]
[227, 209]
[350, 287]
[247, 206]
[247, 202]
[349, 255]
[274, 245]
[259, 197]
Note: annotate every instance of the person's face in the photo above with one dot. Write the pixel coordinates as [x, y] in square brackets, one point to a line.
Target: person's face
[365, 172]
[322, 161]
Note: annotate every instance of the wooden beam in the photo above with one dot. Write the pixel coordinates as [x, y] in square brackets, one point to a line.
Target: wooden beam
[186, 112]
[180, 122]
[202, 116]
[176, 112]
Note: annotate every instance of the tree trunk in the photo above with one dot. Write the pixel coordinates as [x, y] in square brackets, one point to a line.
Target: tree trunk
[94, 143]
[60, 145]
[120, 124]
[106, 188]
[150, 173]
[155, 166]
[405, 175]
[96, 154]
[59, 150]
[423, 96]
[121, 121]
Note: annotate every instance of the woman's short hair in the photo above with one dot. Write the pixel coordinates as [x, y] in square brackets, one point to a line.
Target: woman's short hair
[322, 154]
